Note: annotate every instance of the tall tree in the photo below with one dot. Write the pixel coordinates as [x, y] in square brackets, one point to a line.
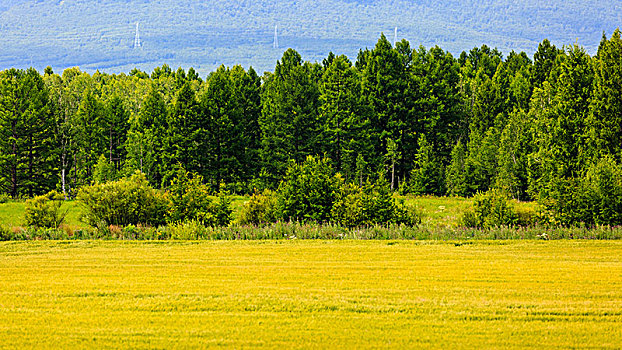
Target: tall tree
[289, 114]
[185, 134]
[89, 133]
[605, 118]
[145, 139]
[343, 130]
[384, 86]
[117, 126]
[26, 134]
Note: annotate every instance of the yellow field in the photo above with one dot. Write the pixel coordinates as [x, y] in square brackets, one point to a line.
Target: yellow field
[309, 294]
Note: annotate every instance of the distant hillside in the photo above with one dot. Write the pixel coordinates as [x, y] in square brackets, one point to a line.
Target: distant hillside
[204, 34]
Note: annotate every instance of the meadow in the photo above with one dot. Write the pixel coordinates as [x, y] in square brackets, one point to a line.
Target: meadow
[444, 211]
[309, 294]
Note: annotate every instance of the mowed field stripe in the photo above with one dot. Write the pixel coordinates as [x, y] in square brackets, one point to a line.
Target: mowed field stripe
[337, 294]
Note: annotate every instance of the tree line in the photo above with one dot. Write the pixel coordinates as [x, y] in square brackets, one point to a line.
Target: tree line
[429, 122]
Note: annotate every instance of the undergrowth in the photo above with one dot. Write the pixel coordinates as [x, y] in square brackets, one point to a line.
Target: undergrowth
[192, 230]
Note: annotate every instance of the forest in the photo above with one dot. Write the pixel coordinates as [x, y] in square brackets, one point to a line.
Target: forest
[546, 128]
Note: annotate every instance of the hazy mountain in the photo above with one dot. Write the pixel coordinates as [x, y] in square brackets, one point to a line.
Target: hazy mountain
[99, 34]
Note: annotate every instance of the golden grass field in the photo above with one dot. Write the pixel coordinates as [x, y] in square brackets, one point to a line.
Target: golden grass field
[310, 294]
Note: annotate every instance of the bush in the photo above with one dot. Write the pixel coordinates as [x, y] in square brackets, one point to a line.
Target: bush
[5, 233]
[491, 209]
[44, 211]
[308, 191]
[124, 202]
[4, 198]
[373, 204]
[348, 207]
[593, 199]
[191, 202]
[259, 209]
[187, 230]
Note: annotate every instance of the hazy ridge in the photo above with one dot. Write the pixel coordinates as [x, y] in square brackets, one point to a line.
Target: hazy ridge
[100, 34]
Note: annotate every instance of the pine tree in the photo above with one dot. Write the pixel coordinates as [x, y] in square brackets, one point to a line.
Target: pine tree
[185, 135]
[342, 130]
[605, 118]
[427, 173]
[27, 154]
[145, 139]
[455, 177]
[117, 126]
[288, 121]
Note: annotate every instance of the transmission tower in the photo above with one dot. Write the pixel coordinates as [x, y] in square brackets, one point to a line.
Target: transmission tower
[395, 38]
[137, 38]
[275, 44]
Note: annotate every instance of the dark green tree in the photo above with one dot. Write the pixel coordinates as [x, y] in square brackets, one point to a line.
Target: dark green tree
[343, 130]
[27, 153]
[427, 173]
[289, 114]
[605, 118]
[185, 134]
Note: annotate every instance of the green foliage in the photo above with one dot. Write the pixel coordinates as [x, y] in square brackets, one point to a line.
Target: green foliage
[44, 211]
[515, 145]
[222, 209]
[308, 191]
[127, 201]
[347, 209]
[289, 114]
[27, 152]
[342, 126]
[605, 121]
[372, 204]
[259, 209]
[593, 199]
[190, 199]
[187, 230]
[490, 209]
[104, 170]
[455, 176]
[427, 174]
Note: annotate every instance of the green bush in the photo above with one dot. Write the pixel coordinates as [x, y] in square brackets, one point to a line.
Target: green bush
[490, 209]
[593, 199]
[44, 211]
[187, 230]
[308, 191]
[124, 202]
[347, 209]
[4, 198]
[5, 233]
[259, 209]
[373, 204]
[191, 202]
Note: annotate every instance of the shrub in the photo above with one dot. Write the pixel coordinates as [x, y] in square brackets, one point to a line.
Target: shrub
[44, 211]
[348, 207]
[124, 202]
[188, 230]
[373, 204]
[191, 202]
[222, 209]
[5, 233]
[259, 209]
[491, 208]
[4, 198]
[308, 191]
[593, 199]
